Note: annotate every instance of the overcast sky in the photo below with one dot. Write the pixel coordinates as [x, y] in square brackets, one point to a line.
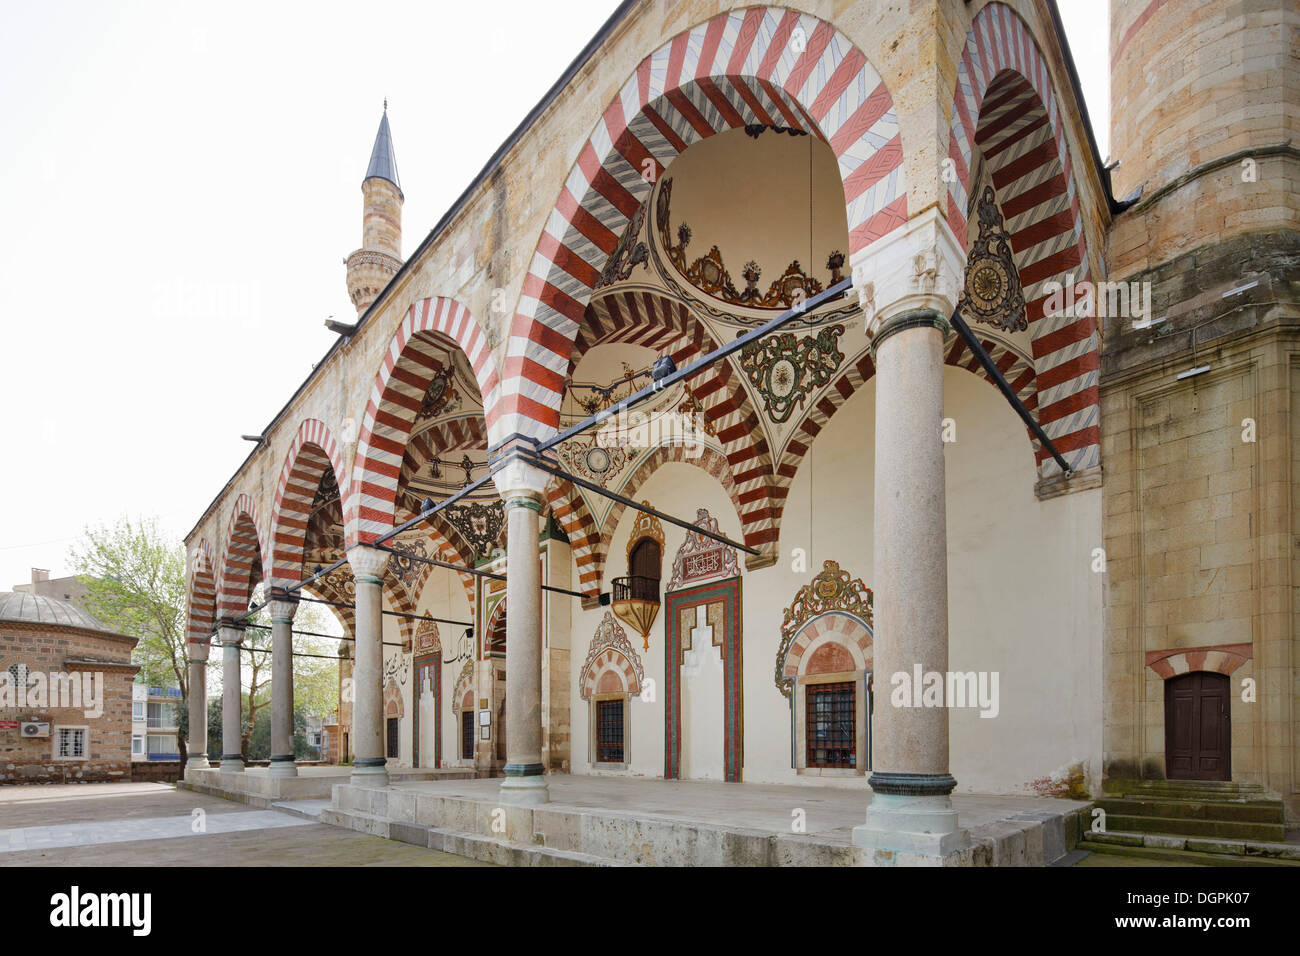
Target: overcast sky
[179, 184]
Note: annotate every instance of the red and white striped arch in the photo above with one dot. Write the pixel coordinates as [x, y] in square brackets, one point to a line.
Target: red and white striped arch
[644, 318]
[571, 511]
[452, 551]
[1016, 368]
[1006, 106]
[766, 65]
[203, 596]
[395, 398]
[244, 552]
[708, 461]
[313, 450]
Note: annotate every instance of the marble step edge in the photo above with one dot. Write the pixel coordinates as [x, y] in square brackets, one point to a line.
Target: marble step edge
[1278, 852]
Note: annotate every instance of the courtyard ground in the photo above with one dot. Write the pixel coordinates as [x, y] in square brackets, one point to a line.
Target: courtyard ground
[149, 824]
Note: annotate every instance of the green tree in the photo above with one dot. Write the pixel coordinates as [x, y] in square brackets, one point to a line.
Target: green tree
[135, 585]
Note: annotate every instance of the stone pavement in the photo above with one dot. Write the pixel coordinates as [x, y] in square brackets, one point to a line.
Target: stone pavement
[135, 824]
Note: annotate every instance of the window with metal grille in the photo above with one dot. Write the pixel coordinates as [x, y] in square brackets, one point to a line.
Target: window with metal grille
[467, 734]
[832, 725]
[70, 742]
[392, 736]
[609, 731]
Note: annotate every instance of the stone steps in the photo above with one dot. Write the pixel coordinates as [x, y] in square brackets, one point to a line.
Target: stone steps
[1190, 852]
[1259, 811]
[1208, 791]
[1197, 827]
[472, 846]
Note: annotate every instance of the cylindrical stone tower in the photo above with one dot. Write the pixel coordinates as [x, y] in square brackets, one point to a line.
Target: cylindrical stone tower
[380, 256]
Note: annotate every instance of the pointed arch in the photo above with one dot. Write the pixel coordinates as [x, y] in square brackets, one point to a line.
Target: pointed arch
[571, 511]
[394, 405]
[766, 65]
[709, 461]
[313, 450]
[202, 615]
[444, 550]
[244, 560]
[1005, 105]
[650, 319]
[1015, 367]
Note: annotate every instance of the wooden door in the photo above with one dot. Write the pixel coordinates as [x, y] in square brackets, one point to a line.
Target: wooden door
[1198, 729]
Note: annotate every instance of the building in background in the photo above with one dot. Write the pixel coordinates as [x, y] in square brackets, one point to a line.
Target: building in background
[155, 723]
[66, 706]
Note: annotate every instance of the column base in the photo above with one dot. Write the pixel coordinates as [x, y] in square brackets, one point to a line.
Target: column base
[924, 825]
[369, 772]
[525, 791]
[283, 767]
[231, 764]
[198, 762]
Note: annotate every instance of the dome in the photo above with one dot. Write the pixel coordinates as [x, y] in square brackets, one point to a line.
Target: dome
[38, 609]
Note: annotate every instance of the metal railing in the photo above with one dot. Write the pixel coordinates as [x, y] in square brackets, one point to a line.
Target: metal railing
[636, 587]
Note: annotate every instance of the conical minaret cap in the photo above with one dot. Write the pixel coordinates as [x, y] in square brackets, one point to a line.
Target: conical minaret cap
[383, 163]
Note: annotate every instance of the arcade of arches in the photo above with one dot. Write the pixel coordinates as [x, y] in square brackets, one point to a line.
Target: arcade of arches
[888, 510]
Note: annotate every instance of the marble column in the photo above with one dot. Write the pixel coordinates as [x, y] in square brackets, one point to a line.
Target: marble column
[908, 293]
[232, 759]
[368, 762]
[282, 607]
[197, 748]
[525, 779]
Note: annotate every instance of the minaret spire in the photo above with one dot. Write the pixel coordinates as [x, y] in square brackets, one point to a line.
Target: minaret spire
[372, 266]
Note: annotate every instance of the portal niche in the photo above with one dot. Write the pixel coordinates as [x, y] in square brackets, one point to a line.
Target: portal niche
[824, 668]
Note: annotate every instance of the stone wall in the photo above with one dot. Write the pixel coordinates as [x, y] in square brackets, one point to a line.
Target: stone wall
[47, 648]
[156, 771]
[1199, 511]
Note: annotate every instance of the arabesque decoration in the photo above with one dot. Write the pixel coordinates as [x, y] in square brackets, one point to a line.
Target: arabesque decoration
[832, 589]
[992, 291]
[785, 369]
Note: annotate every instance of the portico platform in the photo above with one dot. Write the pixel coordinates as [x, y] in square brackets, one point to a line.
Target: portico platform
[256, 785]
[615, 821]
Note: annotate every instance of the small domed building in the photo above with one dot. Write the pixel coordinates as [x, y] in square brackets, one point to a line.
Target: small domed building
[65, 694]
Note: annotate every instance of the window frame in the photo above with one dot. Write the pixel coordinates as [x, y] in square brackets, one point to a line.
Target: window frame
[862, 723]
[56, 733]
[593, 730]
[467, 722]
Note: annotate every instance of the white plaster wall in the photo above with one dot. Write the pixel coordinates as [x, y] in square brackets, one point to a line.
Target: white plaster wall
[1022, 598]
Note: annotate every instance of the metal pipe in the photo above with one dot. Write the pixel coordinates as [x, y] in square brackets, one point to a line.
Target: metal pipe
[332, 637]
[646, 509]
[995, 373]
[474, 571]
[402, 614]
[704, 361]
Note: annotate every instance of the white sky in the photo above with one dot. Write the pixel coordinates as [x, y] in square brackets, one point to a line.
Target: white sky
[179, 184]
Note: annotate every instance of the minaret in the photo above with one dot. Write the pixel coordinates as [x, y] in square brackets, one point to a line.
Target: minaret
[380, 255]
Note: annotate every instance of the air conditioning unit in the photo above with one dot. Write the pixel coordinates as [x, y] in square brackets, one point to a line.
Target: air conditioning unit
[34, 728]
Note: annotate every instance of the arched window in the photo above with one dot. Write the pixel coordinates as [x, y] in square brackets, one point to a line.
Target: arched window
[644, 565]
[611, 674]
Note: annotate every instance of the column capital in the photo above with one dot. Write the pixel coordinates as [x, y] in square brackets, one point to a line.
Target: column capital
[231, 632]
[368, 564]
[917, 268]
[198, 651]
[523, 483]
[282, 606]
